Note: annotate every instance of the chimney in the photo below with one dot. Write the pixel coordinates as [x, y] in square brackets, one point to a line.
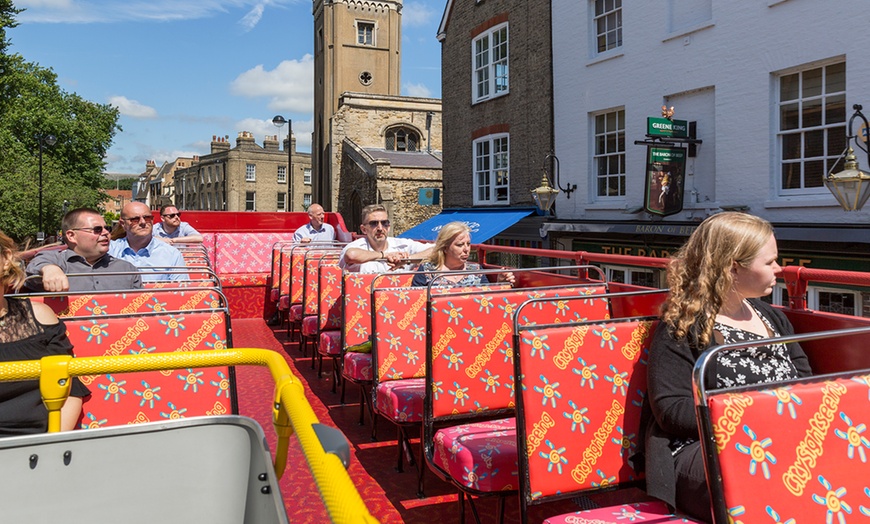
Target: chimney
[270, 143]
[245, 140]
[219, 143]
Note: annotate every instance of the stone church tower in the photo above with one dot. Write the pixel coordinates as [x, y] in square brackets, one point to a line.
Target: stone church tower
[356, 49]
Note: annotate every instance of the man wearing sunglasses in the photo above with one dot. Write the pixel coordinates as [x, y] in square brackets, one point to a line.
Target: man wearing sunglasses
[141, 249]
[87, 239]
[378, 252]
[172, 230]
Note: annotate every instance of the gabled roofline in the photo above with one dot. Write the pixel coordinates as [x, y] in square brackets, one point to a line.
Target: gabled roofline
[445, 20]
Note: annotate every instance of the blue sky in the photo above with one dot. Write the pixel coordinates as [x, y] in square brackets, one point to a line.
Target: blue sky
[181, 71]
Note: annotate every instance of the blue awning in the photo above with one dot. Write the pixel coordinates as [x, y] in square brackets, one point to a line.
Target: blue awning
[484, 223]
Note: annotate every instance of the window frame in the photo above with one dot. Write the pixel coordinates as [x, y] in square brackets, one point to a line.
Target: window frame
[358, 24]
[409, 133]
[250, 172]
[306, 176]
[306, 199]
[281, 201]
[251, 198]
[832, 143]
[492, 169]
[610, 8]
[492, 67]
[597, 157]
[282, 174]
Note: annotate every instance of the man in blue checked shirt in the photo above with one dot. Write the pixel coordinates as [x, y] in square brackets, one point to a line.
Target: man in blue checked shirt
[141, 249]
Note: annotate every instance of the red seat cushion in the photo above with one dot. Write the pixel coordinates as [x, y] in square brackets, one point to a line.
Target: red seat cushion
[330, 343]
[654, 512]
[295, 312]
[357, 366]
[480, 455]
[310, 326]
[401, 400]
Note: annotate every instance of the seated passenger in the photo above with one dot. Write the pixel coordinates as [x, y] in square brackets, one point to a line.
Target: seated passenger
[316, 230]
[716, 281]
[450, 253]
[377, 252]
[29, 331]
[87, 239]
[141, 249]
[172, 230]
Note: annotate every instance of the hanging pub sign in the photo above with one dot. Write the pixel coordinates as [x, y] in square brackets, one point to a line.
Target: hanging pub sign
[665, 180]
[666, 127]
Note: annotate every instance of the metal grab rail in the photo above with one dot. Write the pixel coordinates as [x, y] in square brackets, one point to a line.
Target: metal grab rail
[291, 411]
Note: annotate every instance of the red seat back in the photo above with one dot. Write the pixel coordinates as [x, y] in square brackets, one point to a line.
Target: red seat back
[149, 396]
[470, 343]
[581, 389]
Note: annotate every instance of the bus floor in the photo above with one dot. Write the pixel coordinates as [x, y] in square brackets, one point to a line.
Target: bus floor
[390, 496]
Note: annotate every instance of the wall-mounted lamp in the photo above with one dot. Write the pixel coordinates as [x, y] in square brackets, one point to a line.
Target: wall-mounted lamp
[545, 194]
[551, 160]
[851, 187]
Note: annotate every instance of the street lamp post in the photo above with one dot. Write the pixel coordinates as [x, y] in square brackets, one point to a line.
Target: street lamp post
[43, 140]
[279, 122]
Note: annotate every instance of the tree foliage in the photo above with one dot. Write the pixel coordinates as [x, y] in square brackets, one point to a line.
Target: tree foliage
[33, 105]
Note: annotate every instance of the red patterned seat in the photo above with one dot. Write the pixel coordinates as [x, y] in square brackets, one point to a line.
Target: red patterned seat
[794, 451]
[471, 378]
[480, 455]
[357, 366]
[653, 512]
[401, 400]
[148, 396]
[329, 315]
[243, 261]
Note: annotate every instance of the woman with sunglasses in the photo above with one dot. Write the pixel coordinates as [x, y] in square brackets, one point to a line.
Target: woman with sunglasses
[451, 251]
[29, 331]
[87, 255]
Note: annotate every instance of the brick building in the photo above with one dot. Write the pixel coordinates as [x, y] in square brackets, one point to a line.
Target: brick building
[497, 107]
[247, 177]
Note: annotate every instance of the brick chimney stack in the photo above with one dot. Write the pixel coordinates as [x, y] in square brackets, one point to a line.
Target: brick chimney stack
[219, 143]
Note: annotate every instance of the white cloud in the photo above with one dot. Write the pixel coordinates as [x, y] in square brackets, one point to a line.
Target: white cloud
[417, 14]
[289, 87]
[419, 90]
[132, 108]
[90, 11]
[252, 18]
[263, 128]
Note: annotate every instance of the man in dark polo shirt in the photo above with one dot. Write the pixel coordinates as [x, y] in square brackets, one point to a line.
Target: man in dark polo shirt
[87, 239]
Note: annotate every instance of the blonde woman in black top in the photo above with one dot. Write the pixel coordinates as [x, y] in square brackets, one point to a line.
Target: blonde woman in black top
[716, 281]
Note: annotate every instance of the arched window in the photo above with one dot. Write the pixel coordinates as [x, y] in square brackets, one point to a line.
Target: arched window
[402, 139]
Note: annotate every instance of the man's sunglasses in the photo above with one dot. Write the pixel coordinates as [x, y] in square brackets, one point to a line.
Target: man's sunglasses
[97, 230]
[171, 215]
[136, 219]
[374, 223]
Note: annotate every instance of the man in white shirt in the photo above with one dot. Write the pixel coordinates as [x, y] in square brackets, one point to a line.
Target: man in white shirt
[377, 252]
[316, 230]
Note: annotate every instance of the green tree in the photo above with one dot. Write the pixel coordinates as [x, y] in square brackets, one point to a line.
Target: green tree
[31, 105]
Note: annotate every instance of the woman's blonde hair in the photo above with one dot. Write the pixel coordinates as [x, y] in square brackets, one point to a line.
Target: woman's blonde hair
[699, 275]
[448, 232]
[11, 274]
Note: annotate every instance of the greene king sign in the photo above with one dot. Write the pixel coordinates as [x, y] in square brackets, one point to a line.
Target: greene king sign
[668, 128]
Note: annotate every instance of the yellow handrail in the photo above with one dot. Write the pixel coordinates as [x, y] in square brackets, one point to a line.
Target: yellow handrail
[291, 412]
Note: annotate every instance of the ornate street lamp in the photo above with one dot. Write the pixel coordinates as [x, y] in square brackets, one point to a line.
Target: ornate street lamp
[279, 122]
[42, 140]
[545, 194]
[851, 187]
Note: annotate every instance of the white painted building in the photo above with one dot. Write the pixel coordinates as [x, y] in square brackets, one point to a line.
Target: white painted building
[770, 83]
